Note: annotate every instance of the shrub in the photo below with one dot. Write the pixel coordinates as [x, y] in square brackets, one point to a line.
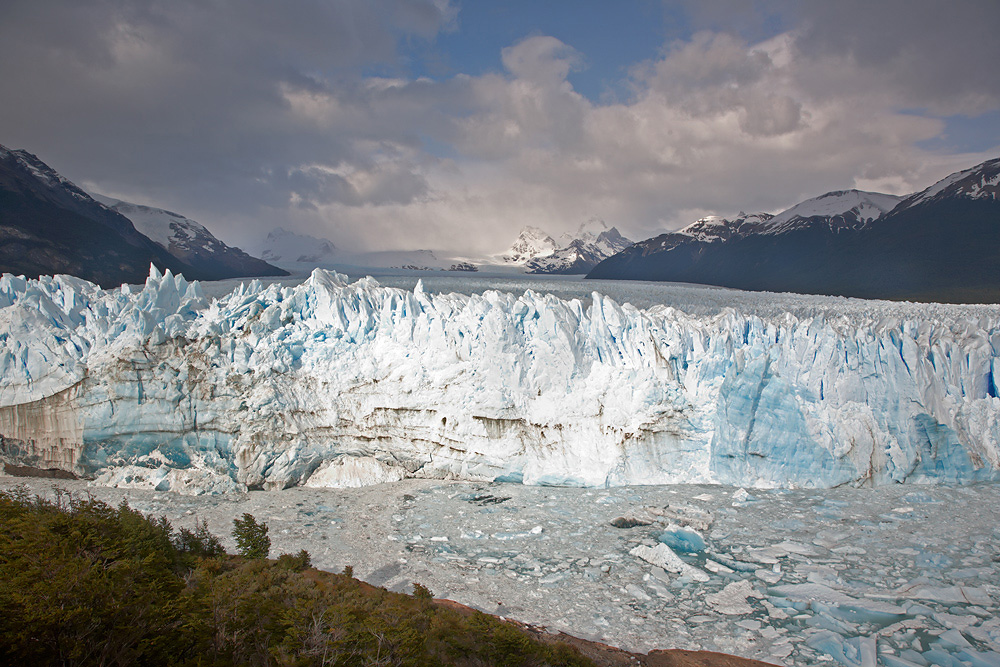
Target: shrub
[251, 537]
[198, 543]
[300, 561]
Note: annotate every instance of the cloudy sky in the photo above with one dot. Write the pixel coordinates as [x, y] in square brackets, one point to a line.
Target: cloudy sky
[447, 124]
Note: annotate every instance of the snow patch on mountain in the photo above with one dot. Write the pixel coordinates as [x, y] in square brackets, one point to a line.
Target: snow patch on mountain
[979, 182]
[269, 386]
[581, 255]
[538, 252]
[587, 232]
[839, 209]
[714, 228]
[170, 230]
[531, 242]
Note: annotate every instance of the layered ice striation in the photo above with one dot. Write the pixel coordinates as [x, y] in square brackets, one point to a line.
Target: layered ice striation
[331, 383]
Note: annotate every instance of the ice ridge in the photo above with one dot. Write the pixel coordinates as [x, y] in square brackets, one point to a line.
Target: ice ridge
[270, 387]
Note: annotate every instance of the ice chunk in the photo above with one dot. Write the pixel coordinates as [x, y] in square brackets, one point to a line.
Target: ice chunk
[921, 589]
[352, 472]
[895, 661]
[716, 567]
[681, 539]
[813, 592]
[976, 659]
[732, 600]
[193, 481]
[637, 593]
[854, 652]
[732, 563]
[663, 556]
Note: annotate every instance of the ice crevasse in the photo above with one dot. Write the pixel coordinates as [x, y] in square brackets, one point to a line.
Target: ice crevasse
[331, 383]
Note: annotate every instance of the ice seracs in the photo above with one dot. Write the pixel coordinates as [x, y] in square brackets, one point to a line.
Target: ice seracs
[269, 386]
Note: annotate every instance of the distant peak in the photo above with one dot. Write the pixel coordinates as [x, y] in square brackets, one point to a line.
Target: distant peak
[534, 232]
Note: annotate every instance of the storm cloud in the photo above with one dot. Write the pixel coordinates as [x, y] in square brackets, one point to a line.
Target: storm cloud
[252, 114]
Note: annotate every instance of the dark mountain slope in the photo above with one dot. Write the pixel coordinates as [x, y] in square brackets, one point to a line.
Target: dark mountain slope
[942, 244]
[191, 242]
[48, 226]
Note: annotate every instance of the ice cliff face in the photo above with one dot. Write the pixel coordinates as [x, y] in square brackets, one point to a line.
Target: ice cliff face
[330, 383]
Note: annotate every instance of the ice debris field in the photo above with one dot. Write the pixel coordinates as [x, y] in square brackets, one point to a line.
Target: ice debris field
[331, 383]
[899, 575]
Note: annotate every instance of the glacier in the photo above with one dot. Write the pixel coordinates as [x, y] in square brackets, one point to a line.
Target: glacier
[336, 383]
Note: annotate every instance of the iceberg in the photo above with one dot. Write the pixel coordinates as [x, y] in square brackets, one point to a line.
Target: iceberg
[331, 382]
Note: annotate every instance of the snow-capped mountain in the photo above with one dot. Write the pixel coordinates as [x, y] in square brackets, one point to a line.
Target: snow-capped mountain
[842, 209]
[714, 228]
[282, 245]
[575, 253]
[269, 387]
[531, 242]
[297, 250]
[581, 255]
[48, 225]
[191, 242]
[587, 232]
[979, 182]
[938, 244]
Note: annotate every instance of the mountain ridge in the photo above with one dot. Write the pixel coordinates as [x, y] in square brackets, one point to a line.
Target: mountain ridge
[49, 225]
[191, 242]
[863, 247]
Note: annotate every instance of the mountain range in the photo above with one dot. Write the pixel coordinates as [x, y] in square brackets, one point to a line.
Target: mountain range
[575, 253]
[49, 225]
[940, 244]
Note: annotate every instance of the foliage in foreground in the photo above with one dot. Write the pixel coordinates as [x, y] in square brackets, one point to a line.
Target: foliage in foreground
[82, 583]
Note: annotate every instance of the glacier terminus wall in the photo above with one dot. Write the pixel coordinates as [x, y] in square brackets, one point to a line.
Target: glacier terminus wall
[331, 383]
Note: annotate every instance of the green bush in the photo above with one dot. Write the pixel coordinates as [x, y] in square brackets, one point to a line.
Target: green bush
[251, 537]
[199, 543]
[82, 582]
[300, 561]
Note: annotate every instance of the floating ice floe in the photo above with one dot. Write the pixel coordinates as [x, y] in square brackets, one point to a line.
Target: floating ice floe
[732, 600]
[664, 557]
